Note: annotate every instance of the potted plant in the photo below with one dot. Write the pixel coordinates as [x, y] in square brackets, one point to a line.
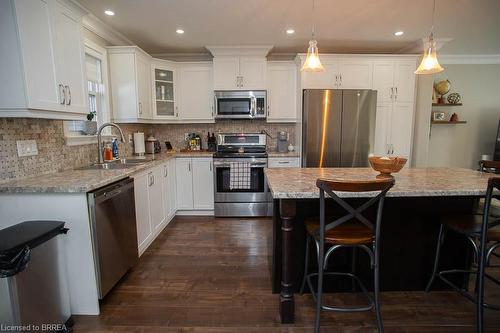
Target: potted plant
[90, 126]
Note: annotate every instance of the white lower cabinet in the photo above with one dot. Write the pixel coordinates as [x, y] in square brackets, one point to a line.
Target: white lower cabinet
[203, 184]
[141, 193]
[154, 191]
[156, 199]
[184, 183]
[194, 182]
[169, 190]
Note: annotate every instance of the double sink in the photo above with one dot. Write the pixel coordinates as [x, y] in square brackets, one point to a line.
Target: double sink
[123, 163]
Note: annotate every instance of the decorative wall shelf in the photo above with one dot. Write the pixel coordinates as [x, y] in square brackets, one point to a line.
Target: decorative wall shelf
[446, 104]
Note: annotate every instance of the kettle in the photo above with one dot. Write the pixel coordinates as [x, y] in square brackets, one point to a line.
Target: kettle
[151, 144]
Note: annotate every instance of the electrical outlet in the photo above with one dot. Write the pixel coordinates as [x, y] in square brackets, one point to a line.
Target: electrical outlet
[26, 148]
[186, 136]
[130, 138]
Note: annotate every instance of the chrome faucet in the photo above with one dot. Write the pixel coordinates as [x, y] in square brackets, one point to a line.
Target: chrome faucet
[99, 139]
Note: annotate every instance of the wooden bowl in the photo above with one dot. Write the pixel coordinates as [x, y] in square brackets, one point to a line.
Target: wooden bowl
[387, 165]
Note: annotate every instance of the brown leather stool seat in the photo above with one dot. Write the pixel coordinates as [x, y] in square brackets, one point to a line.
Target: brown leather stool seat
[470, 225]
[345, 234]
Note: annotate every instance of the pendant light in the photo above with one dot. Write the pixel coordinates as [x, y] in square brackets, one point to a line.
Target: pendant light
[312, 63]
[430, 63]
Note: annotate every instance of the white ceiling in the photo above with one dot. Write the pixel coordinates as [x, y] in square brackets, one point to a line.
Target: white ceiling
[343, 26]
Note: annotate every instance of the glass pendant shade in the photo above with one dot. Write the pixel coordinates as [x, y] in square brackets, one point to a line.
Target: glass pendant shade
[312, 63]
[430, 63]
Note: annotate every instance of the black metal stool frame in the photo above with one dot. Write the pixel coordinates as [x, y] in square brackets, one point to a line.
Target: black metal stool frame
[374, 252]
[482, 253]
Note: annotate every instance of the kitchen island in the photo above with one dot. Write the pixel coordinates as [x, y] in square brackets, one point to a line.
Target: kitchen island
[411, 215]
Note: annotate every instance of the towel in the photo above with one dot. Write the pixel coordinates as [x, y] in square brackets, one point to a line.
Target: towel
[239, 175]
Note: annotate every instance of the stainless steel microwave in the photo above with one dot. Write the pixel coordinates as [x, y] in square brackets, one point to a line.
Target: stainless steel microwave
[241, 104]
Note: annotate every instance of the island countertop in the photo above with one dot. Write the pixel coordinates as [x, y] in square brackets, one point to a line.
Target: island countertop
[300, 183]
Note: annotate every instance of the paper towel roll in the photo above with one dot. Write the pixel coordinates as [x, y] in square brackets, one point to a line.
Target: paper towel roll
[139, 145]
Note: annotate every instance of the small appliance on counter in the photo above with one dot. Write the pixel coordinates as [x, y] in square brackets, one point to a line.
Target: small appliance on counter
[168, 145]
[139, 147]
[282, 142]
[153, 146]
[211, 142]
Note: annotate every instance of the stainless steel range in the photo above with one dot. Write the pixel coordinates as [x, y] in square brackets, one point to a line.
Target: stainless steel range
[240, 186]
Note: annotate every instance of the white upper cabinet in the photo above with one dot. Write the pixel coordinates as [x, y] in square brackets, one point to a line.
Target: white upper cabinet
[404, 81]
[281, 91]
[339, 73]
[239, 73]
[327, 79]
[43, 68]
[196, 96]
[226, 73]
[383, 81]
[394, 80]
[253, 73]
[130, 79]
[71, 58]
[164, 77]
[354, 74]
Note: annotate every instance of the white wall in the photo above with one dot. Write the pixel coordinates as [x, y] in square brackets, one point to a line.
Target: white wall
[463, 145]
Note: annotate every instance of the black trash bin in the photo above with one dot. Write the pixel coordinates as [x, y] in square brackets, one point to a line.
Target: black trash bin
[33, 288]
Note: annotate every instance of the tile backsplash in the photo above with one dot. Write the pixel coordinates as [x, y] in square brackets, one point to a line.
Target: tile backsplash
[54, 155]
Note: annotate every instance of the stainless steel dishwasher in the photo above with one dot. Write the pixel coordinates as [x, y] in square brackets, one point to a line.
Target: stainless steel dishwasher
[114, 232]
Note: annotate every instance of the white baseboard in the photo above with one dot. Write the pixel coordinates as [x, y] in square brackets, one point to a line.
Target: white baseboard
[195, 212]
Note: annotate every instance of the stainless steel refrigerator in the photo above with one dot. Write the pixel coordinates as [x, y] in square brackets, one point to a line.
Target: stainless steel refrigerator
[338, 127]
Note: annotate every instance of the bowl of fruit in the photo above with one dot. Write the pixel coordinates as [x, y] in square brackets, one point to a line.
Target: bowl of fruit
[387, 165]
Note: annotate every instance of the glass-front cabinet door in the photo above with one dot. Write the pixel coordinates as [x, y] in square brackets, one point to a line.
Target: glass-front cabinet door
[164, 91]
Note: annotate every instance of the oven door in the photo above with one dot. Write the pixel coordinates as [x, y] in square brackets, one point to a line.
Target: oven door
[234, 105]
[258, 191]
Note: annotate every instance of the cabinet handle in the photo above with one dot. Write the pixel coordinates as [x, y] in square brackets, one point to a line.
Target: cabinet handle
[336, 80]
[166, 172]
[396, 95]
[340, 76]
[62, 94]
[268, 110]
[210, 166]
[189, 166]
[140, 108]
[153, 179]
[392, 92]
[150, 182]
[69, 94]
[283, 162]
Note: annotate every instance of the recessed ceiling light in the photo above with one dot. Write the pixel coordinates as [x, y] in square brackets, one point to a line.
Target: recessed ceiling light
[179, 31]
[109, 12]
[290, 31]
[399, 33]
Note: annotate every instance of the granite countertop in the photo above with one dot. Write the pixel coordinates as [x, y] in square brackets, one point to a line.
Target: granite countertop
[82, 181]
[274, 153]
[297, 183]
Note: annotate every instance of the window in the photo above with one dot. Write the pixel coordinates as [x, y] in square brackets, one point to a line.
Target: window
[96, 69]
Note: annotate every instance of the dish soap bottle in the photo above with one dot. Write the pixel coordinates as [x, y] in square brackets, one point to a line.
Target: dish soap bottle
[115, 149]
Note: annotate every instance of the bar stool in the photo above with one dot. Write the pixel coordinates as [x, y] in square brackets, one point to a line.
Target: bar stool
[483, 233]
[352, 230]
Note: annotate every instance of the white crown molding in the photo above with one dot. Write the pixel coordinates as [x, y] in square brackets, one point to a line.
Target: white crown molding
[469, 59]
[239, 50]
[101, 29]
[183, 57]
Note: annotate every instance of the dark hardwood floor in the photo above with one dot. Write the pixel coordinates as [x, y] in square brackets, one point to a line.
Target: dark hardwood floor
[205, 274]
